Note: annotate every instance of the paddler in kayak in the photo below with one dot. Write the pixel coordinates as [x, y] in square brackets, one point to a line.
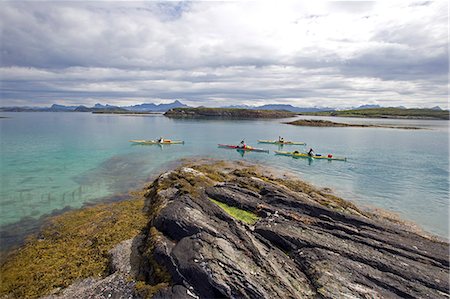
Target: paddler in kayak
[280, 139]
[161, 140]
[242, 144]
[311, 152]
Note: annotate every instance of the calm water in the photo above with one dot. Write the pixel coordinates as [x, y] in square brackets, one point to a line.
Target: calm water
[54, 160]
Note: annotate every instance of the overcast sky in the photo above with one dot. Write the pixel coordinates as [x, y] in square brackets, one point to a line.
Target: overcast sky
[335, 54]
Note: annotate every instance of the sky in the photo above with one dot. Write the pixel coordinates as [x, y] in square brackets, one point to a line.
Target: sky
[304, 53]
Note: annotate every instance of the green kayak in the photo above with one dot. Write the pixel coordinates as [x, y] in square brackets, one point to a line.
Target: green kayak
[281, 142]
[304, 155]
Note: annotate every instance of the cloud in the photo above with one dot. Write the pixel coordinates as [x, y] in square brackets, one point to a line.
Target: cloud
[330, 53]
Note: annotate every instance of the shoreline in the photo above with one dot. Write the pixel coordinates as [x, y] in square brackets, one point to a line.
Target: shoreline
[182, 168]
[379, 117]
[386, 113]
[226, 113]
[127, 112]
[29, 226]
[232, 113]
[171, 165]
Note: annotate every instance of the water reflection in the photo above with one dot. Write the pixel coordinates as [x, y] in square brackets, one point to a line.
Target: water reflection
[68, 159]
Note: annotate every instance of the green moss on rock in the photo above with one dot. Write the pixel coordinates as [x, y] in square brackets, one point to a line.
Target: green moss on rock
[239, 214]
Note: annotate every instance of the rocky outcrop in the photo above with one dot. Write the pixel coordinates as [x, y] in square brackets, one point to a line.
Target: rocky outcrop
[326, 123]
[219, 230]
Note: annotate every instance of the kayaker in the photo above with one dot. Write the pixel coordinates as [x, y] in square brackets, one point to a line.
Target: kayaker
[311, 152]
[280, 139]
[160, 140]
[242, 144]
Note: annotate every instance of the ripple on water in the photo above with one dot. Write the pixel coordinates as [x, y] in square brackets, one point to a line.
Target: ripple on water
[91, 158]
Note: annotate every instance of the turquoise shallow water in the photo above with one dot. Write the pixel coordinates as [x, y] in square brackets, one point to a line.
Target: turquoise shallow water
[54, 160]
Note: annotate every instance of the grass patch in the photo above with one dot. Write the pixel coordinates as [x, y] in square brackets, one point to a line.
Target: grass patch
[72, 246]
[242, 215]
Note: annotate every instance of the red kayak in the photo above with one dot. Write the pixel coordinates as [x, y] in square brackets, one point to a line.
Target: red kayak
[246, 148]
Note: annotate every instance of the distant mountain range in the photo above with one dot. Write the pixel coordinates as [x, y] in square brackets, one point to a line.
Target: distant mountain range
[146, 107]
[378, 106]
[310, 109]
[437, 108]
[155, 108]
[282, 107]
[150, 107]
[367, 107]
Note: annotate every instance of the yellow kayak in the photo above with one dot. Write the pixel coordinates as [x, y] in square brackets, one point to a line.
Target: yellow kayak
[282, 142]
[167, 141]
[304, 155]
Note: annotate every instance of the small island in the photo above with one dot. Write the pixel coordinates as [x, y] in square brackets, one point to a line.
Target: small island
[404, 113]
[227, 113]
[327, 123]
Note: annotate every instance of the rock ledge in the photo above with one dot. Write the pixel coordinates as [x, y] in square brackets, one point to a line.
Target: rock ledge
[303, 242]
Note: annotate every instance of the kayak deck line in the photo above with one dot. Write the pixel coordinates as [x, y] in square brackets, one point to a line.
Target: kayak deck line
[282, 142]
[305, 155]
[247, 148]
[157, 142]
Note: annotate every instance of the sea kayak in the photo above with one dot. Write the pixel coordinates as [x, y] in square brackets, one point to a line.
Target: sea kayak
[157, 142]
[247, 148]
[281, 142]
[304, 155]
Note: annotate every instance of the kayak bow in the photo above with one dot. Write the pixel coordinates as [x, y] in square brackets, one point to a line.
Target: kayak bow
[304, 155]
[157, 142]
[281, 142]
[247, 148]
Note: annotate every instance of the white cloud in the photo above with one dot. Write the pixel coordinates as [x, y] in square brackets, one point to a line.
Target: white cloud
[326, 53]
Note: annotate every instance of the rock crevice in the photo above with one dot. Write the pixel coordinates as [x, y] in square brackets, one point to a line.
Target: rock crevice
[304, 244]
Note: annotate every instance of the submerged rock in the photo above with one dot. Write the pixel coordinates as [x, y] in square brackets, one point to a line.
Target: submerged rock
[232, 231]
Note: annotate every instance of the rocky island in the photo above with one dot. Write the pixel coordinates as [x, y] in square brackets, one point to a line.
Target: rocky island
[226, 113]
[214, 229]
[327, 123]
[388, 112]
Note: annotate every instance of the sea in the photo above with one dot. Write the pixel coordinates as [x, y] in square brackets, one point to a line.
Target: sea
[56, 161]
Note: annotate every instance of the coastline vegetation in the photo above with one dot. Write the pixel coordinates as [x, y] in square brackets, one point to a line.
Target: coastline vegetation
[413, 113]
[72, 246]
[233, 113]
